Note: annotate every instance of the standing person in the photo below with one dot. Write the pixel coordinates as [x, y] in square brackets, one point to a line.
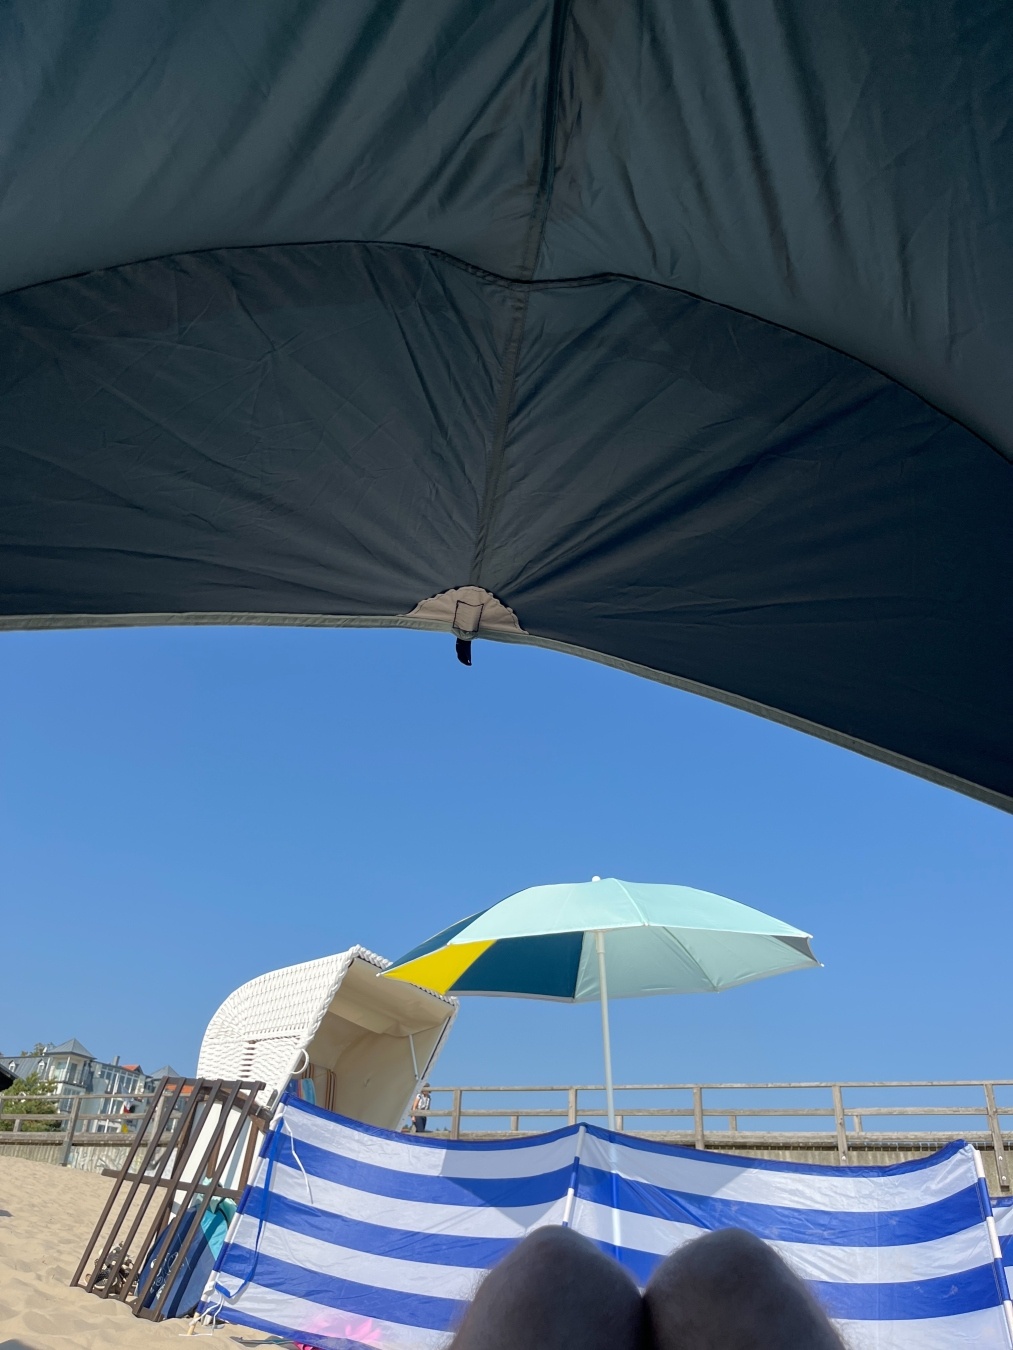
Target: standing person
[420, 1109]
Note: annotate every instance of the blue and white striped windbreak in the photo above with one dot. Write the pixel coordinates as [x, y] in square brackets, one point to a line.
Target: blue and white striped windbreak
[1003, 1211]
[352, 1236]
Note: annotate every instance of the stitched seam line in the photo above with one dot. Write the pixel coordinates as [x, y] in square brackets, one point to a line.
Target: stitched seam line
[532, 248]
[525, 284]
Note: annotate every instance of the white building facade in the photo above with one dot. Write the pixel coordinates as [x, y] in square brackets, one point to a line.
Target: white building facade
[76, 1072]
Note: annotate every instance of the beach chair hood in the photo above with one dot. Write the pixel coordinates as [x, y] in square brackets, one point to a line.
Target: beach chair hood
[363, 1045]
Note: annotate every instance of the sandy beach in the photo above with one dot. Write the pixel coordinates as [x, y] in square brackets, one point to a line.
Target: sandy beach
[46, 1217]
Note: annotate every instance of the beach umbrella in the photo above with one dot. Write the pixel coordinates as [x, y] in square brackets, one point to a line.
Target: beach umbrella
[603, 939]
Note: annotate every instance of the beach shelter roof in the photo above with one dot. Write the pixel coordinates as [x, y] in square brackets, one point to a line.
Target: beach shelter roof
[677, 336]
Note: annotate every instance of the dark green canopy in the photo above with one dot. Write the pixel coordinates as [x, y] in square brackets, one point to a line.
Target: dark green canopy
[677, 333]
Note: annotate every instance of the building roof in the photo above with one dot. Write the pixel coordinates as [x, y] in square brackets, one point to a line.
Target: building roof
[167, 1071]
[71, 1047]
[22, 1065]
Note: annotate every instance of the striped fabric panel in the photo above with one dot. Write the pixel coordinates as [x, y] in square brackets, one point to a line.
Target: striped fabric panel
[353, 1236]
[1003, 1211]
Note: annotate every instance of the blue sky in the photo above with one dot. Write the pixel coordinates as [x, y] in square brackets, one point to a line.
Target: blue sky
[182, 809]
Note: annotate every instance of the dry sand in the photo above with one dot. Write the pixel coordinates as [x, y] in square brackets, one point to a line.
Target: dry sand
[46, 1217]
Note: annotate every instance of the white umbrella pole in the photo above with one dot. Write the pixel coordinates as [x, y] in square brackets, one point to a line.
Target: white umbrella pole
[599, 942]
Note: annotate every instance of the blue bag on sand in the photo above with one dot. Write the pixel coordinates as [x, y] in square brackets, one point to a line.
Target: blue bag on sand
[191, 1277]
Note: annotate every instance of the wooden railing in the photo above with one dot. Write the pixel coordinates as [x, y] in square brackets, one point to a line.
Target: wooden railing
[72, 1126]
[836, 1119]
[818, 1115]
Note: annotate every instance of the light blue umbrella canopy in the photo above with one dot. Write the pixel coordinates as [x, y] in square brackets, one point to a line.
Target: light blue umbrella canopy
[606, 938]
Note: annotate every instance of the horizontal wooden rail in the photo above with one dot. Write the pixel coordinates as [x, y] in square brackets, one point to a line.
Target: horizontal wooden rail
[69, 1127]
[735, 1087]
[701, 1107]
[38, 1139]
[747, 1112]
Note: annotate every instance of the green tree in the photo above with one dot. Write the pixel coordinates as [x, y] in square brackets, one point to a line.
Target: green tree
[32, 1096]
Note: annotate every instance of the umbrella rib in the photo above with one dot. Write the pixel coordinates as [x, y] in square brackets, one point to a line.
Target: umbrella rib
[637, 910]
[671, 932]
[689, 955]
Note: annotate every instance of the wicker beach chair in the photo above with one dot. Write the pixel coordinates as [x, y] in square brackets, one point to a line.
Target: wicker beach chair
[364, 1044]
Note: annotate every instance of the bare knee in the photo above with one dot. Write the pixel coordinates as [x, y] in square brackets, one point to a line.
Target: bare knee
[564, 1261]
[728, 1288]
[555, 1289]
[552, 1243]
[728, 1253]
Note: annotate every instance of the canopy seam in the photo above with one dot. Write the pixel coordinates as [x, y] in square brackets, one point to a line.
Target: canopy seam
[529, 261]
[527, 284]
[636, 908]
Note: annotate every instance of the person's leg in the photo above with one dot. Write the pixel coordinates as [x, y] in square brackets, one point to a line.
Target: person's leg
[555, 1291]
[730, 1291]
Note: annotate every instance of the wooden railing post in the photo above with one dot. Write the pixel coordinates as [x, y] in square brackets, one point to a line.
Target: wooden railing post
[571, 1106]
[998, 1148]
[455, 1118]
[698, 1139]
[71, 1130]
[842, 1131]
